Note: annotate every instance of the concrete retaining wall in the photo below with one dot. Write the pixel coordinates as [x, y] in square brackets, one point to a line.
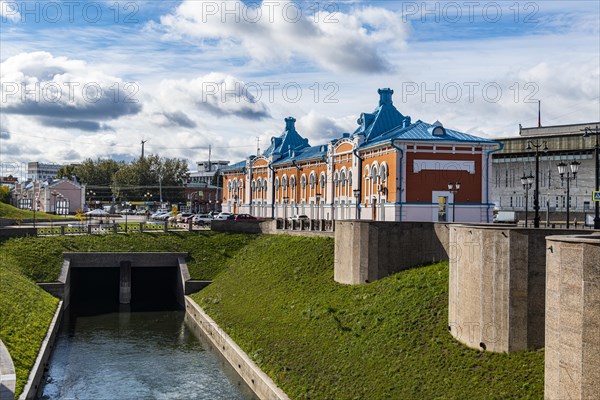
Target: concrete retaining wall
[497, 285]
[8, 377]
[572, 357]
[268, 227]
[368, 251]
[255, 378]
[37, 372]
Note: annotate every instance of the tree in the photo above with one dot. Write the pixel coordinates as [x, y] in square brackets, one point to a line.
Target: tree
[4, 194]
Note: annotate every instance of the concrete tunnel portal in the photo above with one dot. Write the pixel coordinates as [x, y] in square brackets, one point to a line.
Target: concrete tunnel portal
[107, 280]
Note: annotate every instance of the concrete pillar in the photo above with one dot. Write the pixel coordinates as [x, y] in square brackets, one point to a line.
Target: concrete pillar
[115, 228]
[572, 359]
[141, 227]
[62, 230]
[125, 282]
[166, 226]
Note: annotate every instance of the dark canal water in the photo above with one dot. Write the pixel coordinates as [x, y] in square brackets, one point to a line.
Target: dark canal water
[142, 351]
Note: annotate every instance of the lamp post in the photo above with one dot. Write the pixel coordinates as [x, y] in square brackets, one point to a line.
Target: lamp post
[562, 169]
[356, 193]
[526, 181]
[90, 194]
[453, 188]
[596, 132]
[54, 193]
[35, 206]
[536, 193]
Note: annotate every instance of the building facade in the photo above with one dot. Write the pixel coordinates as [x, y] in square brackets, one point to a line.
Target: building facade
[564, 143]
[37, 171]
[59, 196]
[389, 169]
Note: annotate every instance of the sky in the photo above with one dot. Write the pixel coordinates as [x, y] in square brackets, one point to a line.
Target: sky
[92, 79]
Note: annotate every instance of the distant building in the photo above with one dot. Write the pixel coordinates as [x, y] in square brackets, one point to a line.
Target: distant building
[9, 181]
[206, 172]
[37, 171]
[565, 143]
[58, 196]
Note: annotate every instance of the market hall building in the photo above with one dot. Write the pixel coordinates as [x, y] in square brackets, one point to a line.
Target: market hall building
[389, 169]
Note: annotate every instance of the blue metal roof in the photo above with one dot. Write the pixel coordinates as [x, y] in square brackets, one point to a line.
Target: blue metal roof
[239, 165]
[384, 118]
[290, 140]
[422, 131]
[304, 154]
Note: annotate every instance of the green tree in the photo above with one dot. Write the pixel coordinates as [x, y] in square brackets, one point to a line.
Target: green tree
[4, 194]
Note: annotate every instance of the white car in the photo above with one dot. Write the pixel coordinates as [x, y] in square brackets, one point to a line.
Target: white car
[225, 215]
[202, 219]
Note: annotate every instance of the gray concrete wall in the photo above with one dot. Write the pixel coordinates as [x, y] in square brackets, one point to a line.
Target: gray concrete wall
[572, 357]
[255, 378]
[228, 225]
[37, 371]
[367, 251]
[8, 377]
[496, 286]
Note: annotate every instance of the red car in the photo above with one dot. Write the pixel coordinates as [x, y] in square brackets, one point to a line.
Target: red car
[242, 217]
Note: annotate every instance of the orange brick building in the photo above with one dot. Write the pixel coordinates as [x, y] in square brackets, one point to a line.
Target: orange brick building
[389, 169]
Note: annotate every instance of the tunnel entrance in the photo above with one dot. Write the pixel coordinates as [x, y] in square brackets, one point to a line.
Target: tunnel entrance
[95, 290]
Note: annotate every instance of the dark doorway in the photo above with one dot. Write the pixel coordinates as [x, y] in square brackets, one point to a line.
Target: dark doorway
[154, 288]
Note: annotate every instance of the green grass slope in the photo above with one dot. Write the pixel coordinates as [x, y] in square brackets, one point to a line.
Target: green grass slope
[25, 313]
[385, 340]
[9, 212]
[41, 258]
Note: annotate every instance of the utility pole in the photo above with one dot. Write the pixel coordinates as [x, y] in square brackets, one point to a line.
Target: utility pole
[209, 153]
[257, 146]
[143, 142]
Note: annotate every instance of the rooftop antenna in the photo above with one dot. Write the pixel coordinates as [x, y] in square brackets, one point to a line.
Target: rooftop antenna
[539, 113]
[257, 145]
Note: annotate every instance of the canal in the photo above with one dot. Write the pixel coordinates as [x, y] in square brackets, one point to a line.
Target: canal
[140, 351]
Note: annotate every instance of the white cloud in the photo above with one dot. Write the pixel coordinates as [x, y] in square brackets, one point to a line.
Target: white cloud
[320, 128]
[285, 31]
[216, 93]
[47, 87]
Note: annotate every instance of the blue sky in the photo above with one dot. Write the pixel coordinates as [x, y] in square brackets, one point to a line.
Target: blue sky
[184, 75]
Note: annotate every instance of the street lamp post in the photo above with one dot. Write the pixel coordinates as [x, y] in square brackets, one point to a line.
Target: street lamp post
[454, 188]
[527, 181]
[356, 193]
[35, 206]
[596, 132]
[90, 194]
[562, 169]
[536, 193]
[54, 193]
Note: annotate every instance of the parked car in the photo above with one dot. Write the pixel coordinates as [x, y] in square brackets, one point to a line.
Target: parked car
[300, 218]
[225, 215]
[246, 217]
[163, 216]
[185, 218]
[140, 211]
[202, 219]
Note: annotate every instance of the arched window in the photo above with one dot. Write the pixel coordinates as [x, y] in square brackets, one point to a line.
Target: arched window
[312, 180]
[265, 185]
[349, 178]
[259, 185]
[367, 172]
[343, 178]
[276, 183]
[323, 181]
[374, 173]
[293, 181]
[336, 179]
[383, 174]
[253, 185]
[303, 181]
[284, 182]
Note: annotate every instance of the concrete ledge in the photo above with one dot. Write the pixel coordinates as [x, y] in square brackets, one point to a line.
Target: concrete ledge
[17, 231]
[8, 377]
[37, 372]
[255, 378]
[137, 259]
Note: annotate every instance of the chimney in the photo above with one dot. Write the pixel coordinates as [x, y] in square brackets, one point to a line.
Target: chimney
[385, 96]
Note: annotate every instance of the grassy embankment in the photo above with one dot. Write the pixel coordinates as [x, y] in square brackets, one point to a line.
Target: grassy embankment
[26, 310]
[385, 340]
[9, 212]
[41, 258]
[25, 313]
